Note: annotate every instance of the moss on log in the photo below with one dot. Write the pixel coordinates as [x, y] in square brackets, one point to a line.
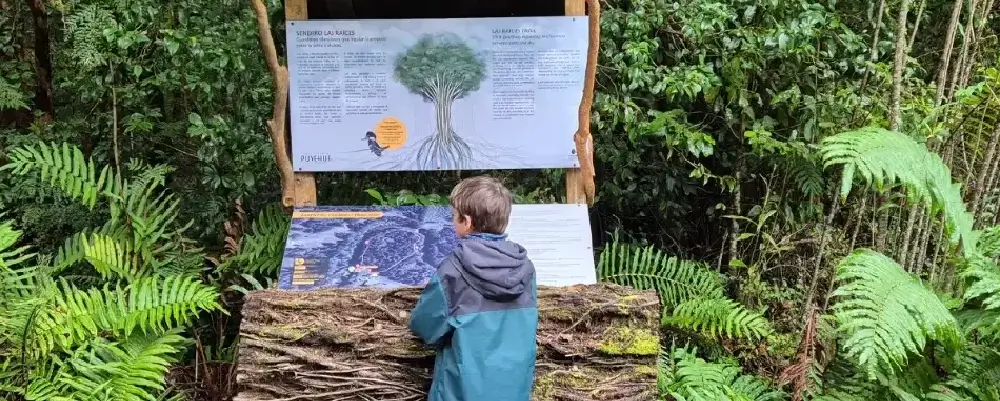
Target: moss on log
[596, 342]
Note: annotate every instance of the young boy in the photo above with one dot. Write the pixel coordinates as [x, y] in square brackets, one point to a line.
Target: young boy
[480, 307]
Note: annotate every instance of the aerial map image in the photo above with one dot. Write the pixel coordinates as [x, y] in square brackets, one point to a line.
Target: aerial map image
[365, 246]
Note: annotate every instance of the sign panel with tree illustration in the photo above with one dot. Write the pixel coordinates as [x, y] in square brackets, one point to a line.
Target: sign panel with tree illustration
[433, 94]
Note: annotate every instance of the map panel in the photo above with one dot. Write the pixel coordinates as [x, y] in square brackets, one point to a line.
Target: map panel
[365, 246]
[390, 247]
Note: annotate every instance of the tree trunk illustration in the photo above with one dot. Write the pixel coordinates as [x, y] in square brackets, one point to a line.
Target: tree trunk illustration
[441, 69]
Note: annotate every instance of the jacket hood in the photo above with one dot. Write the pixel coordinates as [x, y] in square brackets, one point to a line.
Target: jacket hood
[500, 270]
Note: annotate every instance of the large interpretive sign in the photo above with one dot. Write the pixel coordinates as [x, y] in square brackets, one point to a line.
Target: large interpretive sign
[388, 247]
[435, 94]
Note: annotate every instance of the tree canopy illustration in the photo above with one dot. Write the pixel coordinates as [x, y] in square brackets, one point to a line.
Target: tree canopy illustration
[441, 68]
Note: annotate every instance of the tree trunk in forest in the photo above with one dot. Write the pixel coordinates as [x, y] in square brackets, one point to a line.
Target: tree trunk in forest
[811, 295]
[737, 200]
[949, 47]
[44, 90]
[911, 220]
[912, 259]
[993, 168]
[898, 65]
[980, 185]
[916, 25]
[964, 53]
[596, 342]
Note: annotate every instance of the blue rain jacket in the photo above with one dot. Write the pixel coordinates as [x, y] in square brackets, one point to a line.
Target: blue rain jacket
[480, 309]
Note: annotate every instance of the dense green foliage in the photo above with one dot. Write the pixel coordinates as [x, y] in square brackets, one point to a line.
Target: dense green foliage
[811, 186]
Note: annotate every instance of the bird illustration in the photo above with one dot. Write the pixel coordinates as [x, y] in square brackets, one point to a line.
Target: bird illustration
[373, 144]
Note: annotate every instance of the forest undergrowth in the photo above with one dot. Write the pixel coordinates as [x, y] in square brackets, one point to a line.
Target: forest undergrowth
[811, 187]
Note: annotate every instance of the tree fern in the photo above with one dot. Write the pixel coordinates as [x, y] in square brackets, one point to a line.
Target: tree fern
[882, 157]
[887, 314]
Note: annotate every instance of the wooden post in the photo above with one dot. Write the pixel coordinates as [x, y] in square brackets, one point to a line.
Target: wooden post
[574, 177]
[580, 185]
[305, 183]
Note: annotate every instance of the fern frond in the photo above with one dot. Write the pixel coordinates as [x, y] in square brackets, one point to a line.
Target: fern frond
[85, 36]
[887, 314]
[111, 258]
[149, 175]
[984, 277]
[130, 370]
[884, 157]
[74, 248]
[65, 168]
[263, 245]
[648, 268]
[975, 377]
[718, 317]
[149, 304]
[12, 97]
[808, 176]
[989, 242]
[685, 377]
[841, 382]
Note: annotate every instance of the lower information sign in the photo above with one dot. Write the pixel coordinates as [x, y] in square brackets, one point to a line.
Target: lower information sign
[388, 247]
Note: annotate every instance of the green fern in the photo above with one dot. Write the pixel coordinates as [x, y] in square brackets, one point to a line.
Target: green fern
[719, 317]
[887, 314]
[11, 97]
[648, 268]
[692, 295]
[142, 231]
[151, 304]
[882, 157]
[85, 36]
[131, 370]
[975, 376]
[984, 290]
[63, 341]
[64, 167]
[685, 377]
[263, 245]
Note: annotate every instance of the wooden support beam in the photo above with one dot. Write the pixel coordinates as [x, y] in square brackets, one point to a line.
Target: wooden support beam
[574, 178]
[580, 185]
[305, 183]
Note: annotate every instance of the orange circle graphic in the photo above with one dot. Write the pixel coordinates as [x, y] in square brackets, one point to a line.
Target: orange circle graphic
[390, 133]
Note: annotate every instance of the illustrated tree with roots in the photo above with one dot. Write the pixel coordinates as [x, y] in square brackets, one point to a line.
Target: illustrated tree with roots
[441, 68]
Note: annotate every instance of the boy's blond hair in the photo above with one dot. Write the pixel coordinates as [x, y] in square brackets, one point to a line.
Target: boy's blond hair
[485, 200]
